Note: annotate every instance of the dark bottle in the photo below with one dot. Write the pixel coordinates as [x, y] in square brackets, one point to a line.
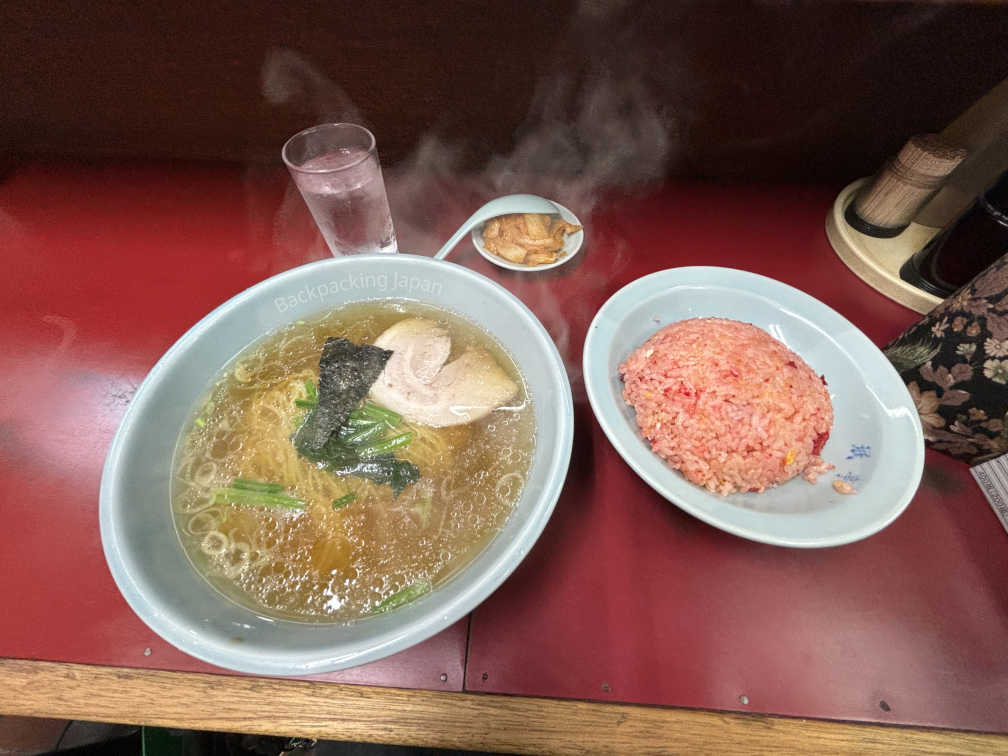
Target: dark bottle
[965, 248]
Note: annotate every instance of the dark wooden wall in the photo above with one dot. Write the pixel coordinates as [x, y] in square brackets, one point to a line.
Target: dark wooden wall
[757, 89]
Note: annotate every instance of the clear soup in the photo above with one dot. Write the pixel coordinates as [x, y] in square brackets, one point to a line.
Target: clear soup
[324, 564]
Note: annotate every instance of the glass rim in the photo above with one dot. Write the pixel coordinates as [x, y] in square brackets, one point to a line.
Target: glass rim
[368, 152]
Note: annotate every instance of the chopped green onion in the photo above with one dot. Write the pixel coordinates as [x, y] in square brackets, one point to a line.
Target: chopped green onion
[357, 435]
[257, 498]
[375, 412]
[359, 418]
[342, 501]
[403, 597]
[312, 401]
[356, 424]
[247, 484]
[200, 422]
[385, 446]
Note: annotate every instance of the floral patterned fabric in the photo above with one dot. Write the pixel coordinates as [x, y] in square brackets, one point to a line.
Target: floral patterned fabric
[955, 365]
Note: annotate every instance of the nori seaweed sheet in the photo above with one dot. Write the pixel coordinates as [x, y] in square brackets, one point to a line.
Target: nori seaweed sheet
[346, 374]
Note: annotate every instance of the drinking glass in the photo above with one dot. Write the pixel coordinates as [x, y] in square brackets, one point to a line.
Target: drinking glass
[335, 167]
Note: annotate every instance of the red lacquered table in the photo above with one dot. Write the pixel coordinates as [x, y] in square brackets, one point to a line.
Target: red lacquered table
[625, 600]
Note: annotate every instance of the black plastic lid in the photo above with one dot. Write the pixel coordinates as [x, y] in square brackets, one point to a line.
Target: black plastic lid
[997, 195]
[858, 223]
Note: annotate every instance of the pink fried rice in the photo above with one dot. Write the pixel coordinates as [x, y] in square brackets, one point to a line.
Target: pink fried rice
[728, 405]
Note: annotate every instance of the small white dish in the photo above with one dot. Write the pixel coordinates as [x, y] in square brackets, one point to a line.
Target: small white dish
[572, 244]
[876, 443]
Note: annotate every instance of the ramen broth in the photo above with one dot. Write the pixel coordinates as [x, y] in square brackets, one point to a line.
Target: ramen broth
[338, 564]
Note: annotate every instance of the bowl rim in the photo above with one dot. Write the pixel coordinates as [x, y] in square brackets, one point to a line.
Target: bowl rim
[325, 656]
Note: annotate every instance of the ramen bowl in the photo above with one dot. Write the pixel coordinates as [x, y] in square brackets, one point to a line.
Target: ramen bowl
[138, 533]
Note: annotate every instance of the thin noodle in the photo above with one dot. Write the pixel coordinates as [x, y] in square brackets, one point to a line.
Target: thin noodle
[506, 480]
[214, 516]
[214, 543]
[319, 562]
[205, 474]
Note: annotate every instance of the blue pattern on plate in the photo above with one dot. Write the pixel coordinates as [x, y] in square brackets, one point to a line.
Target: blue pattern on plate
[859, 451]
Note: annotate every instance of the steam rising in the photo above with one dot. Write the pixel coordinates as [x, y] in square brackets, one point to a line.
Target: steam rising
[288, 76]
[587, 132]
[616, 138]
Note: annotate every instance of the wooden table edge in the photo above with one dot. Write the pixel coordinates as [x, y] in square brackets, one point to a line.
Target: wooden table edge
[436, 719]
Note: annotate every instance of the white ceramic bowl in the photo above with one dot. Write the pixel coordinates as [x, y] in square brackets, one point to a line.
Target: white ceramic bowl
[572, 245]
[876, 442]
[137, 530]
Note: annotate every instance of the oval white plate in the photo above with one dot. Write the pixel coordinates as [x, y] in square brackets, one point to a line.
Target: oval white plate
[572, 245]
[876, 444]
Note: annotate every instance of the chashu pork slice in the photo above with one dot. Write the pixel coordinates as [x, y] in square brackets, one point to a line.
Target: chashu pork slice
[418, 384]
